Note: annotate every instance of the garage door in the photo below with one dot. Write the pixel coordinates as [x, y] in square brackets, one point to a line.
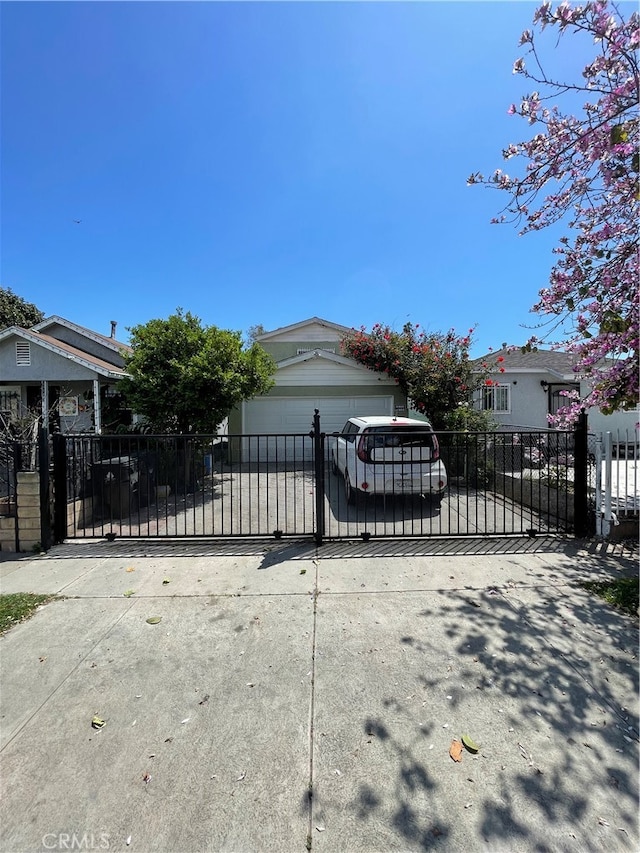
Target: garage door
[287, 415]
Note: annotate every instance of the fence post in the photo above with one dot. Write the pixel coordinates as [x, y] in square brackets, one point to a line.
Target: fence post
[45, 492]
[608, 509]
[318, 458]
[59, 487]
[580, 478]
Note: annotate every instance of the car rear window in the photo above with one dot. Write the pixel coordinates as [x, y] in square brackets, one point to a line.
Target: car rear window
[399, 436]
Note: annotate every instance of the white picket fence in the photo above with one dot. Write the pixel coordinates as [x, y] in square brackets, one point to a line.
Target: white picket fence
[617, 484]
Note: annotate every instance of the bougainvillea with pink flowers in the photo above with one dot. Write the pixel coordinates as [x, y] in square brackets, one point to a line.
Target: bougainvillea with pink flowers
[433, 369]
[583, 170]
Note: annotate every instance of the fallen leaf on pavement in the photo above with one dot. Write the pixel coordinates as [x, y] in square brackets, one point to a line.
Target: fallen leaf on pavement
[153, 620]
[129, 593]
[455, 750]
[97, 722]
[165, 581]
[470, 744]
[131, 569]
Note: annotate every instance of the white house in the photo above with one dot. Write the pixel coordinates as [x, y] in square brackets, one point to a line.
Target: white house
[312, 374]
[527, 387]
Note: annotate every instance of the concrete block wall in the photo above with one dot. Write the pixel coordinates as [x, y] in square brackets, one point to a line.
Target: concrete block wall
[7, 533]
[554, 503]
[28, 501]
[27, 510]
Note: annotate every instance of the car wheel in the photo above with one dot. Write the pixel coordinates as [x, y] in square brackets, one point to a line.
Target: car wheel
[349, 492]
[334, 467]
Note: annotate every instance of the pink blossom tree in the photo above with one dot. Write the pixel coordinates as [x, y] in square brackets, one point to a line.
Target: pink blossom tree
[583, 171]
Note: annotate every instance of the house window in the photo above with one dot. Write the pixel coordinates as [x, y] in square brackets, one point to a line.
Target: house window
[23, 353]
[496, 398]
[301, 351]
[9, 404]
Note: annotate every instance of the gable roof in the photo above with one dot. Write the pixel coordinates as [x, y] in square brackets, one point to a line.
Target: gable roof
[322, 354]
[65, 350]
[558, 363]
[315, 321]
[54, 320]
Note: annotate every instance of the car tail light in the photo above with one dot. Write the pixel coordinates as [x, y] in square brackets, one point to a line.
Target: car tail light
[435, 453]
[364, 486]
[363, 456]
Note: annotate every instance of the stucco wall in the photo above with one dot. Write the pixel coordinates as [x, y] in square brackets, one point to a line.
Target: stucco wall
[530, 405]
[624, 422]
[528, 401]
[44, 365]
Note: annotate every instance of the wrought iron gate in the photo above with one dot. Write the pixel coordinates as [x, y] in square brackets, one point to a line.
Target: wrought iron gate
[177, 486]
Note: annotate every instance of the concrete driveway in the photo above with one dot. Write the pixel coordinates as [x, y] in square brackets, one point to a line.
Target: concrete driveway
[255, 502]
[293, 699]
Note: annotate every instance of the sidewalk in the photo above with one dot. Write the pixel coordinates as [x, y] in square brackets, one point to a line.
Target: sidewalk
[293, 698]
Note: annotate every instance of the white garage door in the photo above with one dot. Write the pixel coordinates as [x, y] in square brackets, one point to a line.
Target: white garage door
[287, 415]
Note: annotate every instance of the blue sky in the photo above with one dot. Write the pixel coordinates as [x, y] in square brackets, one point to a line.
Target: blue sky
[266, 162]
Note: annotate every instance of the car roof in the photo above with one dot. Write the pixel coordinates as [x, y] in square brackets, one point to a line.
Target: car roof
[388, 420]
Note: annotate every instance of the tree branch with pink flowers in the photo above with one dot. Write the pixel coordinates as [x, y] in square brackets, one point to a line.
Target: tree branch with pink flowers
[583, 170]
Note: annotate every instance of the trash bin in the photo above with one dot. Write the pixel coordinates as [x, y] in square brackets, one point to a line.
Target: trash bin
[114, 485]
[146, 466]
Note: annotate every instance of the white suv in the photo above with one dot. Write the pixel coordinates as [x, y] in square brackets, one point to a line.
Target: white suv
[391, 456]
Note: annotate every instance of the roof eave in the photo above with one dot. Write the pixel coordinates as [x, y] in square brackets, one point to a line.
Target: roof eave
[293, 326]
[104, 340]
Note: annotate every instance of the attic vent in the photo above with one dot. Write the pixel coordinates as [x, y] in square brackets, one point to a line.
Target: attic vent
[314, 349]
[23, 352]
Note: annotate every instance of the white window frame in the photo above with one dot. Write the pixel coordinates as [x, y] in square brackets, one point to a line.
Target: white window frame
[488, 393]
[302, 350]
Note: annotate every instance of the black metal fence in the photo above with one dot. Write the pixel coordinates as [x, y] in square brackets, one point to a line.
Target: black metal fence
[10, 464]
[15, 455]
[496, 483]
[184, 486]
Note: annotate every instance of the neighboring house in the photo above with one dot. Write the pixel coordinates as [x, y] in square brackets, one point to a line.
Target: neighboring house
[527, 387]
[60, 370]
[312, 374]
